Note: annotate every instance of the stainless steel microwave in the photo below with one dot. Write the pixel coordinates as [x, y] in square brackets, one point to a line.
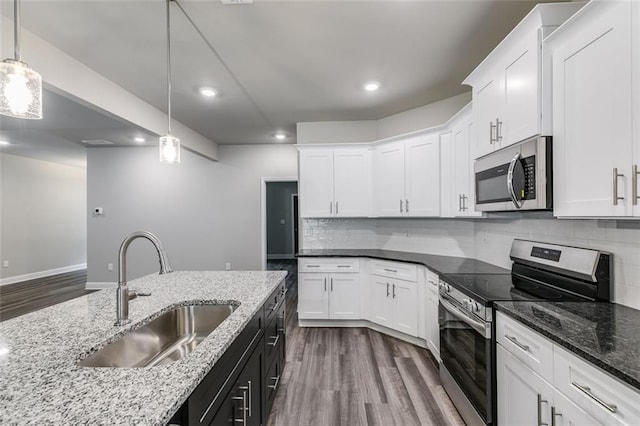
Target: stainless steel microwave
[517, 177]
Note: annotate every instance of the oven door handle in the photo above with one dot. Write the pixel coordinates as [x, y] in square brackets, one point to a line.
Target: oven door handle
[512, 192]
[478, 326]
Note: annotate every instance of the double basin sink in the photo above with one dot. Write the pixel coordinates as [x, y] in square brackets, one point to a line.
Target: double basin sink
[170, 337]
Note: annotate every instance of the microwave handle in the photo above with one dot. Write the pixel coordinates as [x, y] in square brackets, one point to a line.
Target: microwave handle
[512, 192]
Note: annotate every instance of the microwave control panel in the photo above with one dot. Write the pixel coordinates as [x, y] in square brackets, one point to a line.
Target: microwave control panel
[529, 191]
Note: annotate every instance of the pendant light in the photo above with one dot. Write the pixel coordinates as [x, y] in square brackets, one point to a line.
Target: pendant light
[169, 145]
[20, 86]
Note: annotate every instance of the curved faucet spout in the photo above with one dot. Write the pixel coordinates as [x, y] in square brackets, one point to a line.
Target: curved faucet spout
[122, 292]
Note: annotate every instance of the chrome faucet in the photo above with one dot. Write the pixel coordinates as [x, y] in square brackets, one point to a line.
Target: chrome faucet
[122, 292]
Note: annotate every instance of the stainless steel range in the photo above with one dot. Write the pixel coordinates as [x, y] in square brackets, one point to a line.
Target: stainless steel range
[540, 271]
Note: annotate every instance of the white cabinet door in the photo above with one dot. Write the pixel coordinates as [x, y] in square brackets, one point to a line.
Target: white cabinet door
[487, 107]
[448, 208]
[344, 299]
[569, 414]
[351, 182]
[422, 176]
[381, 302]
[433, 328]
[316, 183]
[521, 93]
[524, 398]
[313, 296]
[388, 193]
[592, 116]
[405, 307]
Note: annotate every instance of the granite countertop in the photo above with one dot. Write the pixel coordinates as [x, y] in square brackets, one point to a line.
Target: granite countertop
[605, 334]
[40, 382]
[442, 265]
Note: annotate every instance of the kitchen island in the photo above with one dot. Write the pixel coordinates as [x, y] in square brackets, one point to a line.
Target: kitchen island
[40, 381]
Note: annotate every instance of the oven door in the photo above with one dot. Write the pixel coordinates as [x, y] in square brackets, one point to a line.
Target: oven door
[465, 349]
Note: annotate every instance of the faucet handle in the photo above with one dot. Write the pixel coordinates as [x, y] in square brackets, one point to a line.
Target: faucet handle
[132, 294]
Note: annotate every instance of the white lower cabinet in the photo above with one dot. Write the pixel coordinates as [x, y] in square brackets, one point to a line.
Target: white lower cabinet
[577, 393]
[524, 398]
[394, 304]
[329, 296]
[431, 315]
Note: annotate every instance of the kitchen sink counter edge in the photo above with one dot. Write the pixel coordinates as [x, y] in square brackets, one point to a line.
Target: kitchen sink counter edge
[442, 265]
[41, 383]
[609, 338]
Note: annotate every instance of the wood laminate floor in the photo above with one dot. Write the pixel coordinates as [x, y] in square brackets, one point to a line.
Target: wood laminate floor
[356, 376]
[28, 296]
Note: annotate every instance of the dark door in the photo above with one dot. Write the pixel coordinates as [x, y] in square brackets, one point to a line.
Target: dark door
[295, 224]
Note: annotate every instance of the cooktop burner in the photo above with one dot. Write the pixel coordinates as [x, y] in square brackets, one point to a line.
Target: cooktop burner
[488, 288]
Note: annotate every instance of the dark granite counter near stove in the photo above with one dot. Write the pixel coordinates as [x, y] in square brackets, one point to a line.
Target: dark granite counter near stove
[441, 265]
[605, 334]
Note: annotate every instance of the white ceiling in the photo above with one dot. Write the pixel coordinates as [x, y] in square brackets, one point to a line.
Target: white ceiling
[65, 124]
[298, 60]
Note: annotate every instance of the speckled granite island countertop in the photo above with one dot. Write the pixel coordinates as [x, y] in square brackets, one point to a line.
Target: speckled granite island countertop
[605, 334]
[40, 382]
[441, 265]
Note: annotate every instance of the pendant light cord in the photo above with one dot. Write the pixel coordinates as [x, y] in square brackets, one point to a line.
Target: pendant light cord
[16, 30]
[168, 67]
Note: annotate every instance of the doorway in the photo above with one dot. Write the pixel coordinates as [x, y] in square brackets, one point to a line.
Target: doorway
[280, 218]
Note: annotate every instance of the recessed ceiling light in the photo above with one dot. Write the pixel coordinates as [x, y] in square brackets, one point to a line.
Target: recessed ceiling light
[139, 139]
[281, 136]
[208, 92]
[371, 86]
[5, 143]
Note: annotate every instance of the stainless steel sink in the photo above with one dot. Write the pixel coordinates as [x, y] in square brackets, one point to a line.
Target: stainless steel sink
[170, 337]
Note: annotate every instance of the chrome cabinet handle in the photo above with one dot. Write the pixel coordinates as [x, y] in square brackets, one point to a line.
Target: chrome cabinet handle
[344, 266]
[616, 175]
[400, 206]
[390, 270]
[275, 385]
[498, 130]
[634, 185]
[464, 203]
[540, 401]
[459, 202]
[554, 414]
[387, 289]
[275, 342]
[331, 283]
[393, 292]
[247, 388]
[587, 391]
[406, 205]
[512, 192]
[491, 128]
[336, 207]
[313, 266]
[325, 284]
[330, 207]
[513, 340]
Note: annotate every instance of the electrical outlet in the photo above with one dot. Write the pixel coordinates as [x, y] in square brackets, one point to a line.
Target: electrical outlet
[227, 266]
[5, 264]
[110, 267]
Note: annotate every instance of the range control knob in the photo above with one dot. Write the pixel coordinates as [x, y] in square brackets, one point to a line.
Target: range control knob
[445, 288]
[471, 305]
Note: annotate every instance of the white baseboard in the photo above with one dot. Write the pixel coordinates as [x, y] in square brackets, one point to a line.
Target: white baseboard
[280, 256]
[100, 285]
[42, 274]
[364, 324]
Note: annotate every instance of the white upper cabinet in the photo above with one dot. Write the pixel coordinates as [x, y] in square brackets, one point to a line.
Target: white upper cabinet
[457, 186]
[334, 182]
[406, 177]
[510, 97]
[594, 145]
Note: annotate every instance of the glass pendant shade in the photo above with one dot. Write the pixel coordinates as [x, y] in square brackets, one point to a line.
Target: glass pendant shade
[20, 90]
[169, 149]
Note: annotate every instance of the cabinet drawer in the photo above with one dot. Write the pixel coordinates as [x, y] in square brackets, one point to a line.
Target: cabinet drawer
[314, 264]
[601, 395]
[272, 303]
[402, 271]
[272, 381]
[432, 282]
[533, 349]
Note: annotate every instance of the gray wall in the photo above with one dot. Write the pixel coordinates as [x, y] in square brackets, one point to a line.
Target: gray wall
[279, 208]
[42, 216]
[205, 213]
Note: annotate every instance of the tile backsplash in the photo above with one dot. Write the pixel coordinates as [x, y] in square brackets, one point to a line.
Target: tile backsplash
[488, 239]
